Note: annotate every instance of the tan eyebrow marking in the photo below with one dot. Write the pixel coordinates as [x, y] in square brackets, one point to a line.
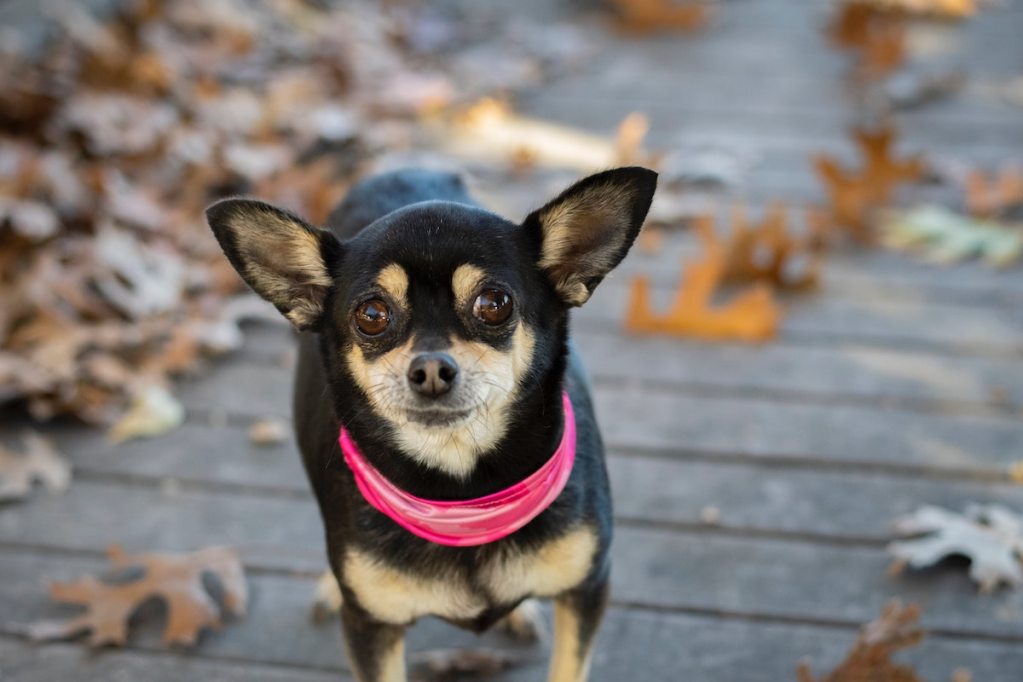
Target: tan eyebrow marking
[394, 280]
[464, 282]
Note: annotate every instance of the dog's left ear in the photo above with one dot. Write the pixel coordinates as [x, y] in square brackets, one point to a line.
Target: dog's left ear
[588, 229]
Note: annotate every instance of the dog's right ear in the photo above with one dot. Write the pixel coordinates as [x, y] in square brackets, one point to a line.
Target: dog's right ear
[284, 259]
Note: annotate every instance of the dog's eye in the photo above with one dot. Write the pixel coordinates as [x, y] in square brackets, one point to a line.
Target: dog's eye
[372, 317]
[493, 306]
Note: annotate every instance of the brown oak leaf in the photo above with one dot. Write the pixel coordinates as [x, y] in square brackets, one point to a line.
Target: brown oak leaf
[177, 579]
[870, 659]
[751, 315]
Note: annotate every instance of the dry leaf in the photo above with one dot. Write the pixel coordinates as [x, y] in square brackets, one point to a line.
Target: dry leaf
[40, 462]
[1016, 472]
[946, 9]
[870, 659]
[854, 195]
[769, 252]
[878, 39]
[645, 16]
[990, 536]
[444, 665]
[944, 237]
[268, 432]
[752, 315]
[491, 130]
[153, 411]
[177, 579]
[986, 198]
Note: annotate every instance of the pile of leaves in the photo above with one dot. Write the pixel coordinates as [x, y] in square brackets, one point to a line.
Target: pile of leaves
[117, 134]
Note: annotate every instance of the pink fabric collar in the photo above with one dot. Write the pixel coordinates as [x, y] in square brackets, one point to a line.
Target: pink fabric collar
[466, 523]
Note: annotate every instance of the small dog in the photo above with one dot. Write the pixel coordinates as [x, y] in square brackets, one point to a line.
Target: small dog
[444, 421]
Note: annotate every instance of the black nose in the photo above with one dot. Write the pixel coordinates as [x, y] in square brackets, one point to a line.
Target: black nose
[432, 374]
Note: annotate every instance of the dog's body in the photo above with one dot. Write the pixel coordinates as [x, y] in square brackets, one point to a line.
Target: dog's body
[437, 335]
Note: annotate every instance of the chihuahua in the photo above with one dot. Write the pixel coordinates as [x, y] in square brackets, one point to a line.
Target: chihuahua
[443, 418]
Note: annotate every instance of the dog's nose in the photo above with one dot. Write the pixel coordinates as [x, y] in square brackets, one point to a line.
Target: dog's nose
[432, 374]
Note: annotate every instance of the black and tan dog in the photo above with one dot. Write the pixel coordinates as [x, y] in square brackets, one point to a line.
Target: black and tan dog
[437, 335]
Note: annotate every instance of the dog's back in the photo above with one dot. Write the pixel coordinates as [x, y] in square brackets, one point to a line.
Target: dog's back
[379, 195]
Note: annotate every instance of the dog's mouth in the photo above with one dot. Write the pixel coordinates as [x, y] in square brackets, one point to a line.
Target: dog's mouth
[437, 416]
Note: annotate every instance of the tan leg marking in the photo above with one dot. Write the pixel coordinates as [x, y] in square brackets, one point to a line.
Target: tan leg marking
[568, 663]
[392, 663]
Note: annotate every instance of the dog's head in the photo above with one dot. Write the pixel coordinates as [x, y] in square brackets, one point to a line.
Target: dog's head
[440, 315]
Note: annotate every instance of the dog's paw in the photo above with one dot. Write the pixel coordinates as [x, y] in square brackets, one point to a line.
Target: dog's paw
[327, 600]
[525, 623]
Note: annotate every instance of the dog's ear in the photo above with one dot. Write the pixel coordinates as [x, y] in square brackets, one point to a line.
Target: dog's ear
[585, 232]
[284, 259]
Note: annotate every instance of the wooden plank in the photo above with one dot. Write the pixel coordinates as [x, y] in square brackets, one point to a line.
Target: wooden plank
[797, 580]
[750, 497]
[23, 662]
[634, 416]
[272, 532]
[898, 378]
[631, 644]
[658, 569]
[952, 328]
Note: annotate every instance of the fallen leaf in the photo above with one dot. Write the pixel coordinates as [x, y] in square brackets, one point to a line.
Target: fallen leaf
[876, 38]
[870, 659]
[176, 579]
[153, 411]
[946, 9]
[646, 16]
[268, 432]
[990, 536]
[882, 171]
[490, 130]
[39, 461]
[855, 195]
[769, 251]
[987, 197]
[444, 665]
[1016, 472]
[752, 315]
[944, 237]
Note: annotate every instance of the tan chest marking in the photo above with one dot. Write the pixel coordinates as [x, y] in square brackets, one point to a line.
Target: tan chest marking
[559, 565]
[395, 596]
[398, 597]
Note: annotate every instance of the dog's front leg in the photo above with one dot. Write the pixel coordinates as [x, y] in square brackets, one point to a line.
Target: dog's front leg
[577, 616]
[376, 651]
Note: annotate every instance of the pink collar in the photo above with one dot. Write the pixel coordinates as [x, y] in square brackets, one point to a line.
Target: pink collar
[465, 523]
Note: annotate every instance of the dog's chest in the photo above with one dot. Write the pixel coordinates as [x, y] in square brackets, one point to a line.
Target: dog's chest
[394, 595]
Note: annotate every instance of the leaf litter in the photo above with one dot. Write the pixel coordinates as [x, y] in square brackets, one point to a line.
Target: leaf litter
[175, 579]
[120, 134]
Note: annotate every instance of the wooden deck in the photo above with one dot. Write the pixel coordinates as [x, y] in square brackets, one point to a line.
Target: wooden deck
[897, 385]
